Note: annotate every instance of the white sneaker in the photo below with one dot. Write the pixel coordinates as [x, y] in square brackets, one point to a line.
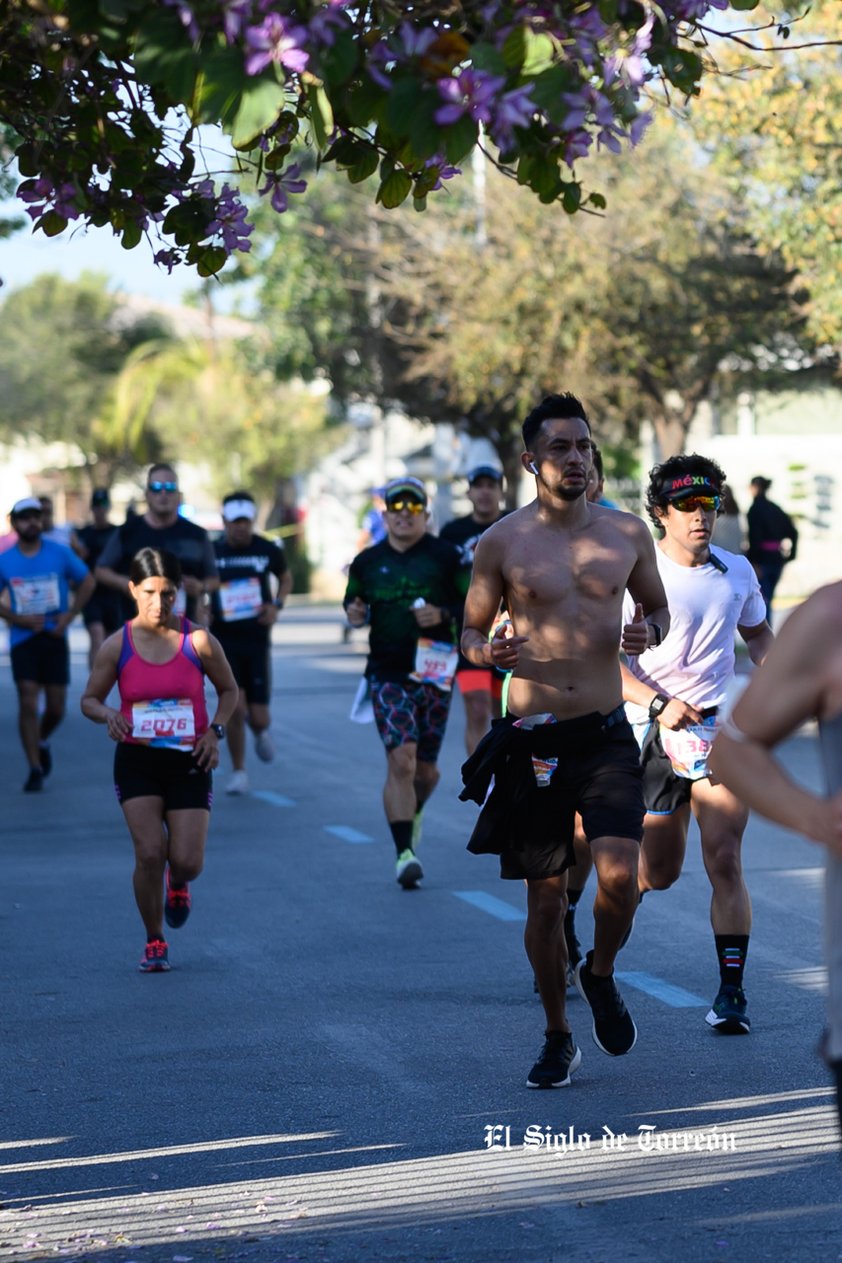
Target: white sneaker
[238, 784]
[264, 747]
[408, 871]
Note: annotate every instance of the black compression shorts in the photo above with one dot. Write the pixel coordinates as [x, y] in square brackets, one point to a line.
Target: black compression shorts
[42, 659]
[146, 772]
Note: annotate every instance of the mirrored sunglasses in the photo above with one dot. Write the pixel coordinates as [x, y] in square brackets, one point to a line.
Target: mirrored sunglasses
[412, 506]
[163, 486]
[710, 504]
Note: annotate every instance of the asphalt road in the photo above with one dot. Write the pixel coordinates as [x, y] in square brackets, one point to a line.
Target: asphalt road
[316, 1078]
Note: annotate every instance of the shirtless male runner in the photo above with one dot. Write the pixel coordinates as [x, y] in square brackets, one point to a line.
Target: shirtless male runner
[561, 566]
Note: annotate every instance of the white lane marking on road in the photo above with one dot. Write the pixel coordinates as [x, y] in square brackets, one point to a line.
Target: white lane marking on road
[269, 796]
[346, 833]
[489, 903]
[675, 997]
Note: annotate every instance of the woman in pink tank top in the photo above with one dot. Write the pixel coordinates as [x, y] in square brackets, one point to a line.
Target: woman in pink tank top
[166, 748]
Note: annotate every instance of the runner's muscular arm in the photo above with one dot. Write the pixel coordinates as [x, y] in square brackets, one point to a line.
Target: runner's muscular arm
[101, 681]
[647, 590]
[788, 689]
[218, 671]
[481, 608]
[758, 639]
[676, 714]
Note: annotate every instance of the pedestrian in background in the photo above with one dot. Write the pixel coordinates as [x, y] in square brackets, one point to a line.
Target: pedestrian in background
[772, 539]
[103, 613]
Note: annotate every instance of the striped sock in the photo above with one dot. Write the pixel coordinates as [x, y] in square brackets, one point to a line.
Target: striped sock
[731, 950]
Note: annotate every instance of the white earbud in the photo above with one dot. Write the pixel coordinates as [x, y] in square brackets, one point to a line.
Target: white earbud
[532, 467]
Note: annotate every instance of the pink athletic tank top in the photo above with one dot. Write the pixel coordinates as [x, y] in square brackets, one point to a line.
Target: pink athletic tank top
[164, 702]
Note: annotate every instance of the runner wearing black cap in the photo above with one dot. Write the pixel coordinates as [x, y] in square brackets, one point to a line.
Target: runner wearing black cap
[410, 589]
[104, 612]
[674, 691]
[481, 687]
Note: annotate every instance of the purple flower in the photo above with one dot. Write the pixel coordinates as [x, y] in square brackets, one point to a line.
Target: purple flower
[513, 109]
[276, 40]
[230, 222]
[577, 145]
[439, 165]
[235, 14]
[330, 18]
[472, 92]
[281, 184]
[167, 259]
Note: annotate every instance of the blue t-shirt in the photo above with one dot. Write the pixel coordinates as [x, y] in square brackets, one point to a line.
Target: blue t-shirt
[39, 584]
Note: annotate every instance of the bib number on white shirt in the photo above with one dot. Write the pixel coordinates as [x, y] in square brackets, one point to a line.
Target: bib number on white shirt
[240, 598]
[688, 748]
[36, 595]
[435, 663]
[166, 722]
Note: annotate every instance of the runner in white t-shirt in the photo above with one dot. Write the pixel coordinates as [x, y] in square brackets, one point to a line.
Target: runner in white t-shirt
[673, 692]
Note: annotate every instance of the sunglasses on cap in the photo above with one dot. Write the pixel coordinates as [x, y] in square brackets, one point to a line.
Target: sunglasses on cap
[412, 506]
[710, 504]
[163, 486]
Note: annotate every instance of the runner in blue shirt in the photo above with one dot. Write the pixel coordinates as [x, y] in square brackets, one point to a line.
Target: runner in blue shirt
[36, 578]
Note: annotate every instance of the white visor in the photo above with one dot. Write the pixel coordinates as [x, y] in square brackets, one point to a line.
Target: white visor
[235, 509]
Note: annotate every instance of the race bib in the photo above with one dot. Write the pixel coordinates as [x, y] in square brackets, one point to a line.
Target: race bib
[435, 663]
[36, 595]
[240, 598]
[166, 722]
[688, 748]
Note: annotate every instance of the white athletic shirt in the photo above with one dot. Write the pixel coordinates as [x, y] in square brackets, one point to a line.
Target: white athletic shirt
[696, 660]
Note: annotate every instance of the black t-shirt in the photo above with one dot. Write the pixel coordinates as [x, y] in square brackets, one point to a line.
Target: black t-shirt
[244, 583]
[465, 533]
[187, 541]
[94, 539]
[390, 582]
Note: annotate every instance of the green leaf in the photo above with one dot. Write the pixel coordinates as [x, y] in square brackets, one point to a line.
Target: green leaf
[340, 61]
[572, 198]
[365, 167]
[394, 190]
[321, 114]
[208, 259]
[52, 223]
[597, 200]
[132, 235]
[460, 139]
[744, 4]
[486, 57]
[528, 52]
[424, 131]
[260, 104]
[404, 100]
[163, 55]
[219, 86]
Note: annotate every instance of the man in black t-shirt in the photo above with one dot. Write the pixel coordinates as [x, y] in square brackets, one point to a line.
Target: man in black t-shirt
[161, 527]
[103, 614]
[410, 588]
[254, 582]
[481, 687]
[772, 540]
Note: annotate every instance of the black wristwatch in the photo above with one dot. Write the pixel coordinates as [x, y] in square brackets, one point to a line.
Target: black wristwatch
[219, 730]
[658, 704]
[657, 634]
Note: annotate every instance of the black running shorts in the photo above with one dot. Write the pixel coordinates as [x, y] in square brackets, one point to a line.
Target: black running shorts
[250, 661]
[42, 659]
[604, 786]
[173, 775]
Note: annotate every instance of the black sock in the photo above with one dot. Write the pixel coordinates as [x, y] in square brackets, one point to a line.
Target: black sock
[732, 950]
[401, 834]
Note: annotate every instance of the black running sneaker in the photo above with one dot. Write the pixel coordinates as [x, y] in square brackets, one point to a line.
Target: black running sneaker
[155, 958]
[613, 1029]
[45, 755]
[728, 1015]
[34, 782]
[558, 1059]
[177, 903]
